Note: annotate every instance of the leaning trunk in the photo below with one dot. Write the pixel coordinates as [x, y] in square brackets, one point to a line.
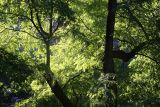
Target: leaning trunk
[108, 64]
[54, 85]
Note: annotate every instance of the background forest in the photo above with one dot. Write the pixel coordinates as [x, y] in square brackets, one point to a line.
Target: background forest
[79, 53]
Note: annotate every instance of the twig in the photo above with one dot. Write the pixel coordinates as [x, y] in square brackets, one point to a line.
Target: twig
[136, 20]
[86, 25]
[23, 32]
[70, 79]
[149, 58]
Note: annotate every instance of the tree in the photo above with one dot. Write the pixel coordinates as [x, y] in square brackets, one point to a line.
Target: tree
[16, 73]
[125, 56]
[33, 12]
[77, 58]
[108, 64]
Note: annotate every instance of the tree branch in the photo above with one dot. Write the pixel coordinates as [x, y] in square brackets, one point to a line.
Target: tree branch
[23, 31]
[136, 20]
[123, 41]
[32, 21]
[40, 29]
[50, 20]
[70, 79]
[157, 62]
[59, 22]
[120, 54]
[40, 25]
[86, 25]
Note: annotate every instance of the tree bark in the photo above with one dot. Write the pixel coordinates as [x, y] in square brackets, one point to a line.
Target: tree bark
[54, 85]
[46, 36]
[108, 63]
[126, 56]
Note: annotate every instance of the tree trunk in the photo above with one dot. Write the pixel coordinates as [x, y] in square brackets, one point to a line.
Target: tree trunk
[108, 64]
[54, 85]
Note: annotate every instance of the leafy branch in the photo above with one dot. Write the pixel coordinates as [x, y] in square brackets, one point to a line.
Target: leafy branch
[136, 20]
[72, 78]
[127, 56]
